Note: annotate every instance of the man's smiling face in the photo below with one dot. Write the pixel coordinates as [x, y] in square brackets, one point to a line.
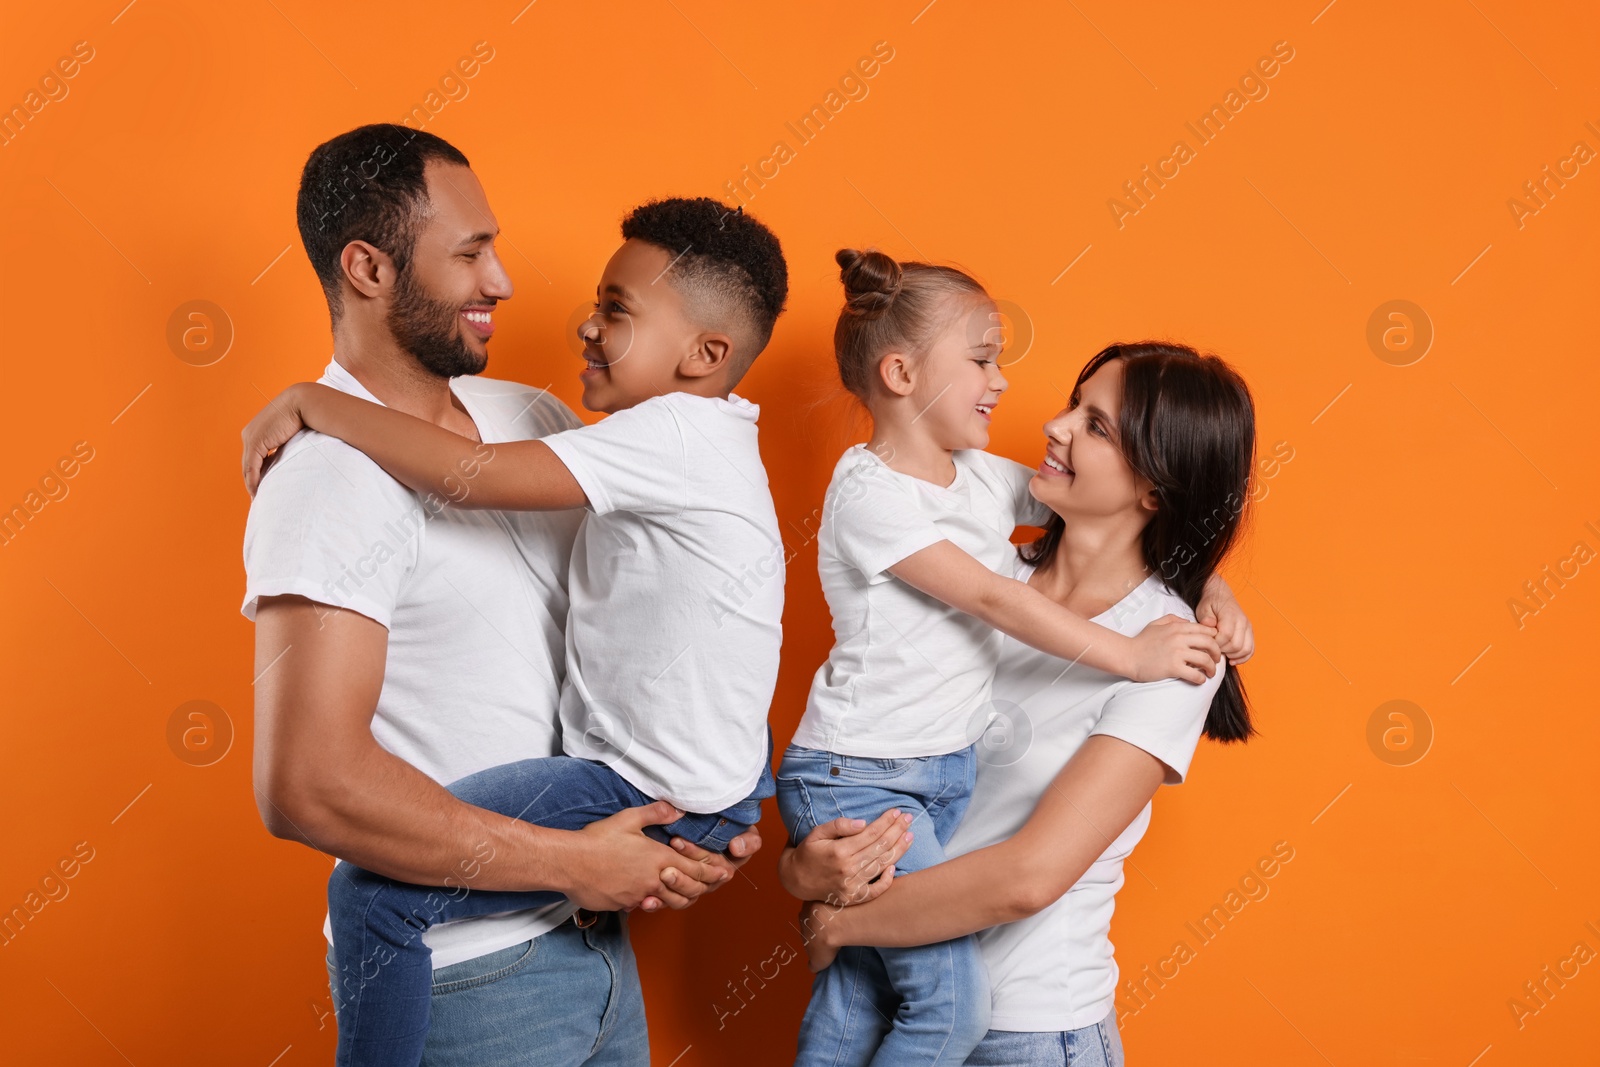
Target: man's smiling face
[442, 306]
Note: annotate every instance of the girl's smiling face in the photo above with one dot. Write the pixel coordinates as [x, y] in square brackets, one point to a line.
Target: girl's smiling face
[1083, 473]
[957, 382]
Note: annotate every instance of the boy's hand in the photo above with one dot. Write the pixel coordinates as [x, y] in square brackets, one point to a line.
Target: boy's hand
[1172, 647]
[267, 432]
[1218, 608]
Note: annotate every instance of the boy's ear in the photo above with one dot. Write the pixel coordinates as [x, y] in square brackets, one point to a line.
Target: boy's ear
[709, 356]
[894, 370]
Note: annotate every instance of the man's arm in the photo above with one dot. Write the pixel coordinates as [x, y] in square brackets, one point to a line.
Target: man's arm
[323, 780]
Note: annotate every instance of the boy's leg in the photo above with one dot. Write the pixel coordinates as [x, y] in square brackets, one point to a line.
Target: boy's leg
[925, 1005]
[385, 975]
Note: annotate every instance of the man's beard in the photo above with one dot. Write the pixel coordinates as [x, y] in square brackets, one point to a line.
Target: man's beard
[427, 328]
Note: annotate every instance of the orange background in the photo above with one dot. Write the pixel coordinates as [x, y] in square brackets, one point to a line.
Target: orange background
[1419, 498]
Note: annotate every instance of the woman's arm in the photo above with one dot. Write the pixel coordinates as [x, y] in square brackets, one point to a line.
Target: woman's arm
[1103, 787]
[1164, 649]
[513, 475]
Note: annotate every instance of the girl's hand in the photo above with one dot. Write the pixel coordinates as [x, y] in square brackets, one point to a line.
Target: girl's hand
[268, 431]
[814, 922]
[1172, 647]
[1218, 608]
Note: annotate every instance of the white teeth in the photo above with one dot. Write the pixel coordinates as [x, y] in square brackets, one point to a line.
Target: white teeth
[1053, 465]
[985, 408]
[477, 316]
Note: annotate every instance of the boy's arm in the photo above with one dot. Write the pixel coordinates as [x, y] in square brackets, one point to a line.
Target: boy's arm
[1175, 649]
[512, 476]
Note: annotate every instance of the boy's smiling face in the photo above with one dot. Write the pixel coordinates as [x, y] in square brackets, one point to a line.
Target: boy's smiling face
[639, 342]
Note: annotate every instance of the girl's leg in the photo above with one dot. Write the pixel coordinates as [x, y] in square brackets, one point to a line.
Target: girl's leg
[925, 1005]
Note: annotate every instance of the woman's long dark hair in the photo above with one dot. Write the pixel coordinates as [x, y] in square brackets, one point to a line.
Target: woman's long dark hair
[1188, 426]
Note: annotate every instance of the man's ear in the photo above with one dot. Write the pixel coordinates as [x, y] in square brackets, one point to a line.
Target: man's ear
[710, 355]
[367, 268]
[894, 371]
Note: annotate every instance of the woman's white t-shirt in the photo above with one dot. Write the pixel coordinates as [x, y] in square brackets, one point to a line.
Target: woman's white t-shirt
[1054, 971]
[908, 675]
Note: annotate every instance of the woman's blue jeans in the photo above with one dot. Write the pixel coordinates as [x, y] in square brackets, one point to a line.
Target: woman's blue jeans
[889, 1006]
[382, 992]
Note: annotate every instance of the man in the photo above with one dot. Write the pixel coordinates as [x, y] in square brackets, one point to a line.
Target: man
[402, 643]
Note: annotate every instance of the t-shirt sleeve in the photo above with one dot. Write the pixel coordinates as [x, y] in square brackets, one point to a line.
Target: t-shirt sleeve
[1164, 718]
[634, 460]
[1013, 478]
[328, 524]
[875, 520]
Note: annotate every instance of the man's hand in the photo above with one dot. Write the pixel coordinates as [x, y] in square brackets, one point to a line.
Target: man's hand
[716, 864]
[615, 867]
[846, 861]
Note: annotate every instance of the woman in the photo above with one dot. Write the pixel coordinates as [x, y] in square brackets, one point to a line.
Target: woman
[1147, 474]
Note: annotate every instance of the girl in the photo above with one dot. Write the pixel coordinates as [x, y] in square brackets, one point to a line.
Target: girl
[915, 559]
[1159, 439]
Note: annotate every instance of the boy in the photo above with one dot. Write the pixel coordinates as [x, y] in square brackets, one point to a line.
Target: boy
[676, 582]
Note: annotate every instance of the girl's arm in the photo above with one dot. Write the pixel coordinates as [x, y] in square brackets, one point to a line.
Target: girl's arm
[1103, 787]
[512, 476]
[1167, 648]
[1219, 608]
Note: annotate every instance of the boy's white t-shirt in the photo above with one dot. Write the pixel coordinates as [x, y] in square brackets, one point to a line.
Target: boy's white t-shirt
[1055, 970]
[908, 675]
[677, 599]
[474, 602]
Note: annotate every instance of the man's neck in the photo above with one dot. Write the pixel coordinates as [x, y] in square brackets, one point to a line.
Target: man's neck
[395, 378]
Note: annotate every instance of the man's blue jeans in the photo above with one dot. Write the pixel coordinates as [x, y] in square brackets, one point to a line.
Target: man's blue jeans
[498, 1010]
[889, 1006]
[382, 991]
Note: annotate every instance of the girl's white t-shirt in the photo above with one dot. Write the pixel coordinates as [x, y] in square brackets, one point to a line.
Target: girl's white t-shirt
[1055, 971]
[908, 675]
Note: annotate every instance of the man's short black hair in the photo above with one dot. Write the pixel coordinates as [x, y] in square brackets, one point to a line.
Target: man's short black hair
[727, 264]
[366, 185]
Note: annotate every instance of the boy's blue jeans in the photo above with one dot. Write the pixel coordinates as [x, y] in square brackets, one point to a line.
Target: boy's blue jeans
[889, 1006]
[382, 993]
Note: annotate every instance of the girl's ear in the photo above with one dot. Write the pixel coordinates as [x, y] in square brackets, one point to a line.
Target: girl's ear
[1149, 500]
[894, 371]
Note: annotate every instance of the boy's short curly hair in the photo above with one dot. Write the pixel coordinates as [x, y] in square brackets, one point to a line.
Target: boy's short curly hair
[728, 267]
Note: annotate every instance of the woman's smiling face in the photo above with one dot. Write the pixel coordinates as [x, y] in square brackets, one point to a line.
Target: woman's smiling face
[1083, 472]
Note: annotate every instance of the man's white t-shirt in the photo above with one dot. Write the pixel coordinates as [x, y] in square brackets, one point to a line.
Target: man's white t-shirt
[474, 602]
[1054, 970]
[908, 675]
[677, 599]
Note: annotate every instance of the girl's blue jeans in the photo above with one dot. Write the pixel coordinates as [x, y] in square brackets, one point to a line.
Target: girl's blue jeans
[889, 1006]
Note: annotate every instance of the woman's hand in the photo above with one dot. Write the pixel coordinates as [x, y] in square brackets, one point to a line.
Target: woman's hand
[1219, 608]
[815, 919]
[1173, 647]
[846, 861]
[268, 431]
